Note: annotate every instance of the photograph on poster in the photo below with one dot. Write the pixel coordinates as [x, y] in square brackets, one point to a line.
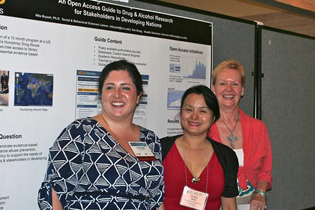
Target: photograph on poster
[141, 112]
[4, 88]
[88, 101]
[33, 89]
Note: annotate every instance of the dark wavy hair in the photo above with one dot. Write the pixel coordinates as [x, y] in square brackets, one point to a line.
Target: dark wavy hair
[121, 65]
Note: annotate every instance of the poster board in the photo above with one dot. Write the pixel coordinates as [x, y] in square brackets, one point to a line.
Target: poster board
[288, 112]
[53, 51]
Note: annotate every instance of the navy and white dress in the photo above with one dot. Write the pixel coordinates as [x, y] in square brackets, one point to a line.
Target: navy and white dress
[88, 169]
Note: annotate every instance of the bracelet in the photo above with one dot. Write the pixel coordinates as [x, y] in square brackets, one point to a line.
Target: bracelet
[260, 192]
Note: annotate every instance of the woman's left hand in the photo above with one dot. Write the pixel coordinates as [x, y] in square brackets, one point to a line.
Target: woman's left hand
[258, 202]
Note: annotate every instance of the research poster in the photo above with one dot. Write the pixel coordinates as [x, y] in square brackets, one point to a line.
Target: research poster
[52, 53]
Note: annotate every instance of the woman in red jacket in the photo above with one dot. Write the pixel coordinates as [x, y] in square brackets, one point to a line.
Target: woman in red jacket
[247, 136]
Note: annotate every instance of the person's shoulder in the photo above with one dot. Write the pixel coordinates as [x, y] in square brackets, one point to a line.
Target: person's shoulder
[170, 138]
[78, 127]
[146, 131]
[224, 153]
[82, 122]
[167, 143]
[217, 146]
[252, 120]
[149, 135]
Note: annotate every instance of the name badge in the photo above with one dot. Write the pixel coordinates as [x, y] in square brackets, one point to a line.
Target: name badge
[194, 199]
[142, 151]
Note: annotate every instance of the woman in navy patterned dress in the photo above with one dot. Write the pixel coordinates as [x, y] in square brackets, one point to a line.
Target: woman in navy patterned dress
[92, 166]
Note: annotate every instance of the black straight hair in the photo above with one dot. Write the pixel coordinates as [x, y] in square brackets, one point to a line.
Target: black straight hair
[209, 97]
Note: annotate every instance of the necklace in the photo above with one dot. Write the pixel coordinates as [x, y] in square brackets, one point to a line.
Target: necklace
[195, 179]
[232, 138]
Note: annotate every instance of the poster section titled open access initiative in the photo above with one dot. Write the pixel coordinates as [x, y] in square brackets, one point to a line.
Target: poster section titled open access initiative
[52, 53]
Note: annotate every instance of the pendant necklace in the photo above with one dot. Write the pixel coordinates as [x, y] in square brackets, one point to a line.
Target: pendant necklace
[195, 179]
[232, 138]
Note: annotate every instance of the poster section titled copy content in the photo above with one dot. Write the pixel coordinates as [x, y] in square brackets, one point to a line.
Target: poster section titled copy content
[52, 53]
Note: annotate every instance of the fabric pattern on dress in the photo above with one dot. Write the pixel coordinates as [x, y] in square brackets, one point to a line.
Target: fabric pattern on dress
[88, 169]
[248, 191]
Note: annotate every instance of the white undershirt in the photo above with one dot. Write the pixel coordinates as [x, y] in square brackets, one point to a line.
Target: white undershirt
[240, 156]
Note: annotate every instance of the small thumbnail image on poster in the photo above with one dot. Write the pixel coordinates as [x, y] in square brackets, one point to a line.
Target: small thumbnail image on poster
[4, 88]
[32, 89]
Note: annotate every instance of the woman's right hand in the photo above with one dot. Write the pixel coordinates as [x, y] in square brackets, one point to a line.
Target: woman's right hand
[228, 203]
[257, 202]
[162, 207]
[56, 204]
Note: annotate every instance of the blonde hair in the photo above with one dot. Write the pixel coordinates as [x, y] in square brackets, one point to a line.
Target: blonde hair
[230, 64]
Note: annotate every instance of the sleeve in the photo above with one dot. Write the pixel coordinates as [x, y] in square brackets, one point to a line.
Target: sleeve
[166, 144]
[229, 163]
[64, 167]
[230, 189]
[157, 192]
[265, 172]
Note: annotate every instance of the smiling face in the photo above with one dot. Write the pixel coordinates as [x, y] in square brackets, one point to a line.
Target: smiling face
[196, 117]
[119, 96]
[228, 88]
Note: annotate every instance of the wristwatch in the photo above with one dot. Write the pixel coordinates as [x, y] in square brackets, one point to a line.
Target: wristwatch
[260, 192]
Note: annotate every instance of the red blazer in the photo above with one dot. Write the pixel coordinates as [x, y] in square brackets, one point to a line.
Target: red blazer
[257, 151]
